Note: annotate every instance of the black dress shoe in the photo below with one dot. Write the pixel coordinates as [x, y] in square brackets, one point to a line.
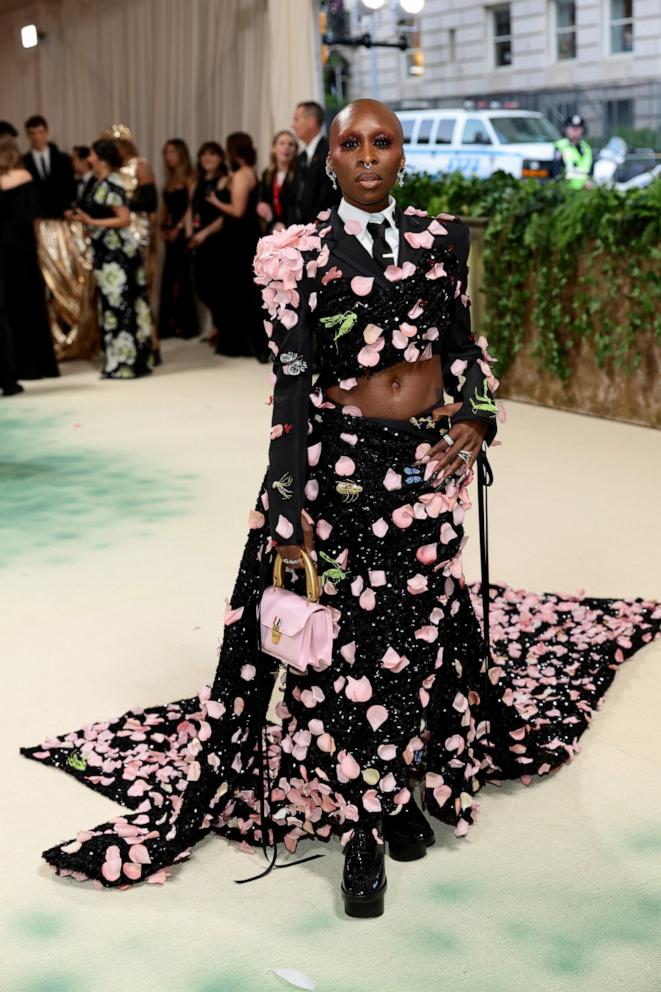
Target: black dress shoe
[364, 879]
[13, 390]
[409, 833]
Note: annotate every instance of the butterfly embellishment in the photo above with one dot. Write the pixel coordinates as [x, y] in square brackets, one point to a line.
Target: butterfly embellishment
[412, 476]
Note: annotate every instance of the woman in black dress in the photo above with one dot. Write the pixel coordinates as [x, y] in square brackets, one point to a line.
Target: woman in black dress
[239, 326]
[177, 314]
[370, 471]
[26, 345]
[124, 315]
[276, 202]
[206, 244]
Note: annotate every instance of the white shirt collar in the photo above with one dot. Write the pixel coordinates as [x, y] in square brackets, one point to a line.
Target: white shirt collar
[348, 212]
[311, 148]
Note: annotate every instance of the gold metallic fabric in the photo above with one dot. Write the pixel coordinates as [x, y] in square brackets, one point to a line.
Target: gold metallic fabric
[65, 257]
[141, 223]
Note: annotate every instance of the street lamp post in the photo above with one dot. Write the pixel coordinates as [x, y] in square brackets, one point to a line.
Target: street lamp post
[373, 8]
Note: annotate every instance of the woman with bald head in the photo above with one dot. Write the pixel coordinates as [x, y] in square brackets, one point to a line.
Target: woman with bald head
[369, 475]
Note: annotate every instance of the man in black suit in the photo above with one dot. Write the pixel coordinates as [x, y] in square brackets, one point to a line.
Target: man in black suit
[312, 187]
[82, 171]
[51, 170]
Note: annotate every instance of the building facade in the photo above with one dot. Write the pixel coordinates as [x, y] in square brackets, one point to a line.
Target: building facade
[600, 58]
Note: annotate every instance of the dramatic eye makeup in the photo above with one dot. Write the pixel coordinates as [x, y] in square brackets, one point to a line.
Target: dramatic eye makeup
[352, 141]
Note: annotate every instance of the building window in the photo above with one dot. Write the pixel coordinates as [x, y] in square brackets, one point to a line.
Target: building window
[452, 45]
[565, 29]
[621, 26]
[502, 35]
[445, 131]
[617, 114]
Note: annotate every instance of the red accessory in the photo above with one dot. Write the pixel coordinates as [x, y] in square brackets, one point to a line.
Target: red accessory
[277, 205]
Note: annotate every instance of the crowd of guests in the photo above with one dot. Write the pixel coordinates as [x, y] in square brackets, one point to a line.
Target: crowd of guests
[212, 212]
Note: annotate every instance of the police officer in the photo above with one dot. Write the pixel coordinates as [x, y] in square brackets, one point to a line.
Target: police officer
[573, 155]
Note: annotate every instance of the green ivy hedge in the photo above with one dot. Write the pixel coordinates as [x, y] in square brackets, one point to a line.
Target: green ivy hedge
[576, 264]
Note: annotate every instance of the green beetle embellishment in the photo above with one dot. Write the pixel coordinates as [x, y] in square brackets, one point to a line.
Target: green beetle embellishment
[77, 761]
[345, 322]
[483, 401]
[335, 573]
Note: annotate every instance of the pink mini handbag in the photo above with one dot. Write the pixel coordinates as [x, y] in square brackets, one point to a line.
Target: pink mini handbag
[296, 630]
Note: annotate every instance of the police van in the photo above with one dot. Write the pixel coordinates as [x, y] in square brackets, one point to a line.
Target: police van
[479, 142]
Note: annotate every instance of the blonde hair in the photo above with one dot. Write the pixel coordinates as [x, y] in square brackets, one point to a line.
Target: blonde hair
[10, 154]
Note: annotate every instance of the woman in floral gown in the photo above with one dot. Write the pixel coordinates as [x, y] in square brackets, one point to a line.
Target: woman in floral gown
[369, 469]
[124, 312]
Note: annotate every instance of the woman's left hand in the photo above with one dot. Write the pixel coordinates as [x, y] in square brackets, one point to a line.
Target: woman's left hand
[82, 216]
[212, 198]
[467, 435]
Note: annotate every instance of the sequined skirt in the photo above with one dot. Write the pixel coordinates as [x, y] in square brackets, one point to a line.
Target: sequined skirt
[406, 704]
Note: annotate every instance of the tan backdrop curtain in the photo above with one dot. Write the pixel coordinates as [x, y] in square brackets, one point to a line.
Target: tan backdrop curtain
[195, 69]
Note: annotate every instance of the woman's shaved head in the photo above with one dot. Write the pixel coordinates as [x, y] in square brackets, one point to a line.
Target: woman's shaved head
[366, 153]
[359, 108]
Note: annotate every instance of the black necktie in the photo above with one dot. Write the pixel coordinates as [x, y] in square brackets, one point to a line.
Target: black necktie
[381, 250]
[299, 195]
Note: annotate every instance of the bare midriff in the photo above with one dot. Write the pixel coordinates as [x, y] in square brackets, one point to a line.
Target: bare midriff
[397, 393]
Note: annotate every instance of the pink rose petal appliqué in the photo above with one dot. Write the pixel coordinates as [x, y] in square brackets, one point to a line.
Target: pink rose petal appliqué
[380, 528]
[284, 527]
[392, 480]
[345, 466]
[362, 285]
[358, 690]
[376, 715]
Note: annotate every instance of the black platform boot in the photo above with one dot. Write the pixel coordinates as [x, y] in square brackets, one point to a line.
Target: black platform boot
[364, 879]
[408, 833]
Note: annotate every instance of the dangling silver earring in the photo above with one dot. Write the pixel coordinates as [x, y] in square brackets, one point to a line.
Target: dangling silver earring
[331, 175]
[401, 175]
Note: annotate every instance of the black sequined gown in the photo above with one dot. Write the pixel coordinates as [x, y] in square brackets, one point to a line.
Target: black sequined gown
[239, 324]
[405, 702]
[177, 313]
[208, 257]
[28, 349]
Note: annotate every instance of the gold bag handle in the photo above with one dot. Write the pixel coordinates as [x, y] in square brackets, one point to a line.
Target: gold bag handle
[311, 578]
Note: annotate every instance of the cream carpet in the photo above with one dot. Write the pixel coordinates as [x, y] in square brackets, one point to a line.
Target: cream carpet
[123, 510]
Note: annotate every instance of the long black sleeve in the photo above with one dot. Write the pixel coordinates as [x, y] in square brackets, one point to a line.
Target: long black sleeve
[467, 375]
[288, 302]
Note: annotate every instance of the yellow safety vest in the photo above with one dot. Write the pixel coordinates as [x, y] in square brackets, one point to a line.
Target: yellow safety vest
[577, 160]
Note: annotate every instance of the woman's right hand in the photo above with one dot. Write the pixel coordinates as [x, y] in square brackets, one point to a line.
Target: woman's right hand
[264, 211]
[197, 239]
